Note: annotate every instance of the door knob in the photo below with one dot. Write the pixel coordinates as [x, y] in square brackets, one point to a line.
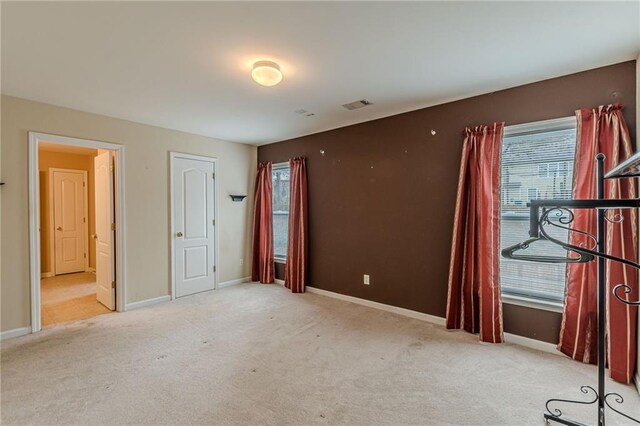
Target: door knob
[179, 234]
[95, 236]
[59, 228]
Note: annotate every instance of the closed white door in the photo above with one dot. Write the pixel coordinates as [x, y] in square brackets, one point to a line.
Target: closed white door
[193, 223]
[69, 220]
[104, 237]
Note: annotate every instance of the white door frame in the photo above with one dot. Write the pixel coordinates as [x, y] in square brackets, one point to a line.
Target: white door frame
[34, 217]
[173, 155]
[52, 233]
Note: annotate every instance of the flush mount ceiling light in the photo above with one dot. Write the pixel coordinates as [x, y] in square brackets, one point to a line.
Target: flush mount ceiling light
[266, 73]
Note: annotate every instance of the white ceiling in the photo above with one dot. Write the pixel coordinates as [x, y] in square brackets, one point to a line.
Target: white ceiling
[186, 66]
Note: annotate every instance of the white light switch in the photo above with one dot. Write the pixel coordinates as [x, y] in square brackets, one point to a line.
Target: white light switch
[366, 279]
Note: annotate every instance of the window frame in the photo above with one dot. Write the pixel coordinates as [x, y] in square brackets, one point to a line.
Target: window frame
[274, 167]
[546, 170]
[563, 123]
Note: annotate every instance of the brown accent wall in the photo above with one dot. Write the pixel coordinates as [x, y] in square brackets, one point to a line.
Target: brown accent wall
[382, 197]
[279, 270]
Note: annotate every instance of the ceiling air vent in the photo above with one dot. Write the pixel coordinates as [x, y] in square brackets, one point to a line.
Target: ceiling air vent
[304, 112]
[357, 104]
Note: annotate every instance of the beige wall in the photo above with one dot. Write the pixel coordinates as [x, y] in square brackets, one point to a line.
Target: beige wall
[146, 199]
[63, 160]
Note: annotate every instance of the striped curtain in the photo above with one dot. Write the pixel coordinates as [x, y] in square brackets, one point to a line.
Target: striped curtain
[602, 129]
[296, 268]
[263, 268]
[473, 301]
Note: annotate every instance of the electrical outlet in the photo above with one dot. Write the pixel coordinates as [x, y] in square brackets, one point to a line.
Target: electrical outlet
[366, 279]
[241, 262]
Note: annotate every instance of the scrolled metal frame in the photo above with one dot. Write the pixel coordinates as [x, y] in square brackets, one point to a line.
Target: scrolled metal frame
[556, 412]
[580, 249]
[617, 217]
[626, 290]
[619, 400]
[565, 216]
[560, 212]
[545, 221]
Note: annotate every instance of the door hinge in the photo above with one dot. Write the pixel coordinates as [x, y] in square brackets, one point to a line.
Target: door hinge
[214, 268]
[84, 219]
[213, 175]
[111, 167]
[85, 255]
[83, 184]
[214, 222]
[113, 284]
[113, 226]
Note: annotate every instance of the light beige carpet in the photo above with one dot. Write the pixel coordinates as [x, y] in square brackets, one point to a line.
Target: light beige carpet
[257, 354]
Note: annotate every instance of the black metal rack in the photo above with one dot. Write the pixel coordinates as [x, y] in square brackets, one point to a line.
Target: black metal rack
[541, 213]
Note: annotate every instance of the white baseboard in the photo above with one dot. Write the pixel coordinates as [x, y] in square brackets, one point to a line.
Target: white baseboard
[233, 282]
[16, 332]
[637, 379]
[509, 338]
[147, 302]
[47, 275]
[281, 282]
[394, 309]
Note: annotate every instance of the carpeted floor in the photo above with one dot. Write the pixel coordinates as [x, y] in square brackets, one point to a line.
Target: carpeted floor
[257, 354]
[70, 297]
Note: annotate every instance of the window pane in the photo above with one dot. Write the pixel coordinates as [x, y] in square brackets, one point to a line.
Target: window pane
[562, 168]
[539, 166]
[280, 200]
[542, 169]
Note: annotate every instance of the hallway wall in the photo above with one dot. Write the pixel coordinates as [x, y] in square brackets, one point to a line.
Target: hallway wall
[63, 160]
[147, 238]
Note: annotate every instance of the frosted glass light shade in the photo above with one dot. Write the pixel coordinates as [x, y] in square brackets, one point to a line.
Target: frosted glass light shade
[266, 73]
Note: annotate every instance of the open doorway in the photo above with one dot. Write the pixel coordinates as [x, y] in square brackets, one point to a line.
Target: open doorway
[74, 200]
[75, 209]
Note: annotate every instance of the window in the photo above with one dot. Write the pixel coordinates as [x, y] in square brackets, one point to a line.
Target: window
[280, 185]
[543, 170]
[564, 168]
[555, 169]
[537, 161]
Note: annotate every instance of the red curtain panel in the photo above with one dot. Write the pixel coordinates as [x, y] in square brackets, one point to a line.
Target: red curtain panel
[298, 241]
[262, 268]
[604, 130]
[473, 301]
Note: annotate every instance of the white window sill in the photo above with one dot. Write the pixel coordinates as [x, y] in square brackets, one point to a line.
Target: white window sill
[532, 303]
[283, 261]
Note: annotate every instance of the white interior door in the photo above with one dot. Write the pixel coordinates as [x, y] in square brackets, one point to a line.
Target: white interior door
[105, 238]
[70, 240]
[193, 221]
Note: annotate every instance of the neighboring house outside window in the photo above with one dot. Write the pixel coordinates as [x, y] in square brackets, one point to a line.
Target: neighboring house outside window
[280, 179]
[537, 163]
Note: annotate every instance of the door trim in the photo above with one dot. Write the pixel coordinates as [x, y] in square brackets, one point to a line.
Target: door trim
[172, 156]
[34, 217]
[52, 233]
